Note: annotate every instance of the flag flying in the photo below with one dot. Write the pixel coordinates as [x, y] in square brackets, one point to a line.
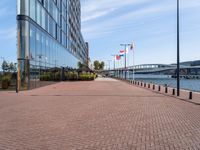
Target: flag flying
[118, 57]
[121, 53]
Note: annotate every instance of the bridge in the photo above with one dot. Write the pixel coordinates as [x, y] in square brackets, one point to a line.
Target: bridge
[157, 69]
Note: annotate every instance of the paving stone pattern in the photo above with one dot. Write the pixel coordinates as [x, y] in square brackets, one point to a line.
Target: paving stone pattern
[103, 115]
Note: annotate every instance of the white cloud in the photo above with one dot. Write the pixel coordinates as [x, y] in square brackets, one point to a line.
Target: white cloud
[98, 8]
[94, 29]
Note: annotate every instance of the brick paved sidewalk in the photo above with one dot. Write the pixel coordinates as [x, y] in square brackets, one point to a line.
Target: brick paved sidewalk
[96, 115]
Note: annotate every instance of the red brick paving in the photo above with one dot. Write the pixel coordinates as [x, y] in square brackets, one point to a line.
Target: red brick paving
[104, 115]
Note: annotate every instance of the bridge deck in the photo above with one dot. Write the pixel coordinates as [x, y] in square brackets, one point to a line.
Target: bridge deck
[104, 114]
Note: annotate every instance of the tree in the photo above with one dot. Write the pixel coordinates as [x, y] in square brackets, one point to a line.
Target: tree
[5, 66]
[101, 65]
[82, 66]
[11, 67]
[96, 65]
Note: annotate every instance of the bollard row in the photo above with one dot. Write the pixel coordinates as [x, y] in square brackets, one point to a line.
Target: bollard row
[154, 87]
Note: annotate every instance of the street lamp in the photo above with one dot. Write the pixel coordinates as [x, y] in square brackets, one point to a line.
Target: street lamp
[15, 71]
[178, 52]
[125, 67]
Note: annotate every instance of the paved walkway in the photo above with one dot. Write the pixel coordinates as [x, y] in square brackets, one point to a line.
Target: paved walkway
[96, 115]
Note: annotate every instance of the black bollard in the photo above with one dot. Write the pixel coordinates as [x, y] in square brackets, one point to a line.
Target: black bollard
[149, 86]
[16, 87]
[153, 87]
[173, 92]
[190, 95]
[159, 88]
[166, 89]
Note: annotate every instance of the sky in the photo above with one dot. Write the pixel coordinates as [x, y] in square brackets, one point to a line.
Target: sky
[150, 24]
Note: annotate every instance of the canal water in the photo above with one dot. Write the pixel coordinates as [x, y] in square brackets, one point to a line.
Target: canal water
[187, 84]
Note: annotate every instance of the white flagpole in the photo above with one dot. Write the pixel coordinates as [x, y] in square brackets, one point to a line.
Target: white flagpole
[133, 46]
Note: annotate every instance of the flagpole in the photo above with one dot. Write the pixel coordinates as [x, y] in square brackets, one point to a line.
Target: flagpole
[178, 52]
[133, 46]
[125, 67]
[133, 65]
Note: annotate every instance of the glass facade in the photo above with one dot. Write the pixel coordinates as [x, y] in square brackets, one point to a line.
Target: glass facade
[49, 36]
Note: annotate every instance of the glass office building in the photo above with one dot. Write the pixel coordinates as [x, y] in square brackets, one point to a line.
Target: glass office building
[49, 36]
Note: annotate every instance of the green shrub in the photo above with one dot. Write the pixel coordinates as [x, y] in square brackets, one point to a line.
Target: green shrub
[46, 77]
[5, 82]
[86, 76]
[71, 76]
[57, 76]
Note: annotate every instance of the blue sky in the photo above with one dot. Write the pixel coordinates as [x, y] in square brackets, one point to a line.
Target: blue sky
[8, 40]
[151, 24]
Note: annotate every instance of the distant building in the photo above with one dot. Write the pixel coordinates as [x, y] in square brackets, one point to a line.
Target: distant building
[49, 36]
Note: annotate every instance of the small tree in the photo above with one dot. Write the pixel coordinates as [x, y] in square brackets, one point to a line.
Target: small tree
[5, 66]
[82, 66]
[11, 67]
[96, 65]
[101, 65]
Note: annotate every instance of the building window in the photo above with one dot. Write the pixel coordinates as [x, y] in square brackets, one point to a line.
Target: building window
[32, 9]
[32, 42]
[38, 13]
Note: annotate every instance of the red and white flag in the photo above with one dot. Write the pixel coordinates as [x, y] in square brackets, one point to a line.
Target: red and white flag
[118, 57]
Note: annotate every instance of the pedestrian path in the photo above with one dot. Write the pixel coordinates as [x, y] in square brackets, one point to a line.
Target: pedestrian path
[96, 115]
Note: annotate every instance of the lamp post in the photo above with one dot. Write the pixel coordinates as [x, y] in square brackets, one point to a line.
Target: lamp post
[125, 67]
[15, 71]
[133, 48]
[178, 52]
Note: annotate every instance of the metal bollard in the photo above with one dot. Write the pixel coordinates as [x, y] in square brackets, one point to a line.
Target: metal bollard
[190, 95]
[153, 87]
[141, 84]
[149, 86]
[144, 84]
[166, 89]
[138, 83]
[173, 92]
[159, 88]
